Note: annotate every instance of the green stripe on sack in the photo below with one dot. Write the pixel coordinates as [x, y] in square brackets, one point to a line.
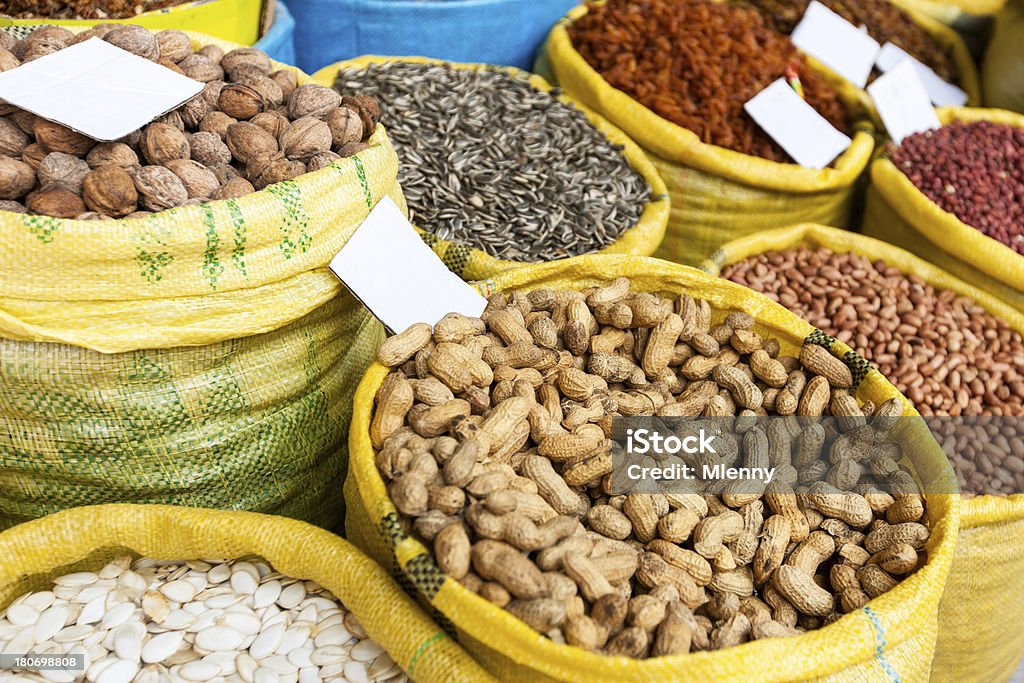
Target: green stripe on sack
[294, 223]
[212, 267]
[421, 649]
[363, 183]
[238, 221]
[42, 227]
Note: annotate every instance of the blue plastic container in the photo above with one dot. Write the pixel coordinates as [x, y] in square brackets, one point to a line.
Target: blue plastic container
[279, 41]
[507, 32]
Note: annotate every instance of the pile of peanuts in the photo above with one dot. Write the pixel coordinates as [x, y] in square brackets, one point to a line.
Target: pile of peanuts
[944, 351]
[493, 437]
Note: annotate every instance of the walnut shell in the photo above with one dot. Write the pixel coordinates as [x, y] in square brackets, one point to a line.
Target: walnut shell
[25, 120]
[240, 101]
[346, 127]
[193, 111]
[12, 206]
[273, 122]
[94, 32]
[159, 189]
[92, 216]
[7, 40]
[368, 110]
[171, 118]
[40, 48]
[304, 138]
[199, 68]
[34, 155]
[312, 100]
[225, 173]
[267, 88]
[211, 93]
[8, 61]
[352, 148]
[113, 153]
[320, 160]
[16, 178]
[216, 122]
[18, 49]
[275, 170]
[198, 180]
[174, 46]
[286, 80]
[250, 143]
[234, 188]
[110, 190]
[140, 214]
[245, 57]
[57, 138]
[55, 201]
[168, 64]
[13, 140]
[208, 149]
[212, 52]
[161, 142]
[57, 34]
[134, 39]
[62, 169]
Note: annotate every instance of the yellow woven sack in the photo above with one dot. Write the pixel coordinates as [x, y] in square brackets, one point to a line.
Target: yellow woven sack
[981, 636]
[949, 12]
[472, 264]
[899, 213]
[891, 639]
[1003, 68]
[200, 356]
[717, 194]
[84, 539]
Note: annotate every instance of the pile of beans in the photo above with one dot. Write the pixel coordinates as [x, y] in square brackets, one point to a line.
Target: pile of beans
[944, 351]
[696, 63]
[150, 621]
[82, 9]
[974, 171]
[885, 22]
[490, 161]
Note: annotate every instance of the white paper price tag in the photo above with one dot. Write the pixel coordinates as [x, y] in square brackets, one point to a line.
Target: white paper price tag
[97, 89]
[806, 135]
[387, 266]
[902, 102]
[842, 47]
[942, 93]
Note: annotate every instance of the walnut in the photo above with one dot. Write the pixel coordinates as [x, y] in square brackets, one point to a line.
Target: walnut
[245, 57]
[13, 140]
[216, 122]
[113, 153]
[208, 149]
[267, 88]
[34, 155]
[94, 32]
[352, 148]
[16, 178]
[250, 143]
[8, 61]
[7, 40]
[368, 110]
[312, 100]
[286, 80]
[92, 216]
[225, 172]
[57, 138]
[159, 189]
[174, 46]
[161, 142]
[40, 48]
[18, 49]
[213, 53]
[240, 101]
[304, 138]
[171, 118]
[199, 68]
[198, 180]
[320, 160]
[55, 201]
[236, 187]
[62, 169]
[193, 111]
[274, 170]
[139, 214]
[272, 122]
[12, 206]
[345, 126]
[110, 190]
[134, 39]
[25, 120]
[211, 93]
[57, 34]
[168, 64]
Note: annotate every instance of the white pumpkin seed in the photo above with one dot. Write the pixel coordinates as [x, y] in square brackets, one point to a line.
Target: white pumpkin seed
[219, 639]
[199, 671]
[161, 647]
[120, 671]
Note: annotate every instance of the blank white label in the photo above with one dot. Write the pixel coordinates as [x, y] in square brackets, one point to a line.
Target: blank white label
[837, 43]
[387, 266]
[806, 135]
[97, 89]
[941, 93]
[902, 102]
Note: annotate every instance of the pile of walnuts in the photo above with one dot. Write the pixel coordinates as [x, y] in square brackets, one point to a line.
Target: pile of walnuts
[250, 127]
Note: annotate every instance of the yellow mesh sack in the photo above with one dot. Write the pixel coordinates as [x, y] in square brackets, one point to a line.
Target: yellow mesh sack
[949, 12]
[84, 539]
[717, 194]
[1003, 68]
[200, 356]
[981, 636]
[473, 264]
[891, 639]
[899, 213]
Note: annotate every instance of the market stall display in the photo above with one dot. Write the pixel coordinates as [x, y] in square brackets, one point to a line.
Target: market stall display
[514, 419]
[954, 351]
[499, 170]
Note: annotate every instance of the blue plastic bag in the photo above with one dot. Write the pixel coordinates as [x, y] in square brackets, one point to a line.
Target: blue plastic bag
[507, 32]
[279, 41]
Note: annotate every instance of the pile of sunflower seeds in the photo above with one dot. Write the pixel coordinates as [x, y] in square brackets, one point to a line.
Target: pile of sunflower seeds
[202, 620]
[489, 161]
